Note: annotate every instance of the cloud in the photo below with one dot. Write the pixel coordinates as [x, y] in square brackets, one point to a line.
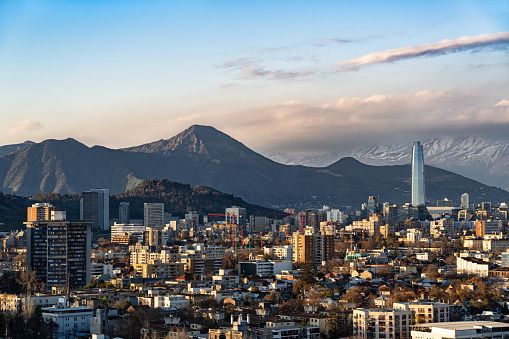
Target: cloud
[251, 69]
[273, 74]
[23, 127]
[467, 43]
[350, 121]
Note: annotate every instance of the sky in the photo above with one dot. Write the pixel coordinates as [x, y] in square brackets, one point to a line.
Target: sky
[280, 76]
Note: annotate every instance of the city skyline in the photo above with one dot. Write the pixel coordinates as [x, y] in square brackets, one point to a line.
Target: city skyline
[152, 74]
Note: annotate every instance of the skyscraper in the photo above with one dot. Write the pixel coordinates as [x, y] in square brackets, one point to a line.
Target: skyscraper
[124, 213]
[417, 174]
[153, 214]
[59, 252]
[95, 208]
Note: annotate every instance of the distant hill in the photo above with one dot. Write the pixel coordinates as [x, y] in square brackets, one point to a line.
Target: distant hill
[478, 158]
[178, 199]
[204, 156]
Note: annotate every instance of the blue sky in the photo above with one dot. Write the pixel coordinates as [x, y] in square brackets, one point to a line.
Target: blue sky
[119, 73]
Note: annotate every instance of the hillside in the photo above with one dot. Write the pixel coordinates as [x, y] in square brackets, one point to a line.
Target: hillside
[204, 156]
[178, 199]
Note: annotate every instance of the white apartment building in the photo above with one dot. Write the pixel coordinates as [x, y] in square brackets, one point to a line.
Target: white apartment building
[170, 301]
[118, 231]
[70, 320]
[378, 323]
[279, 252]
[143, 255]
[461, 329]
[472, 266]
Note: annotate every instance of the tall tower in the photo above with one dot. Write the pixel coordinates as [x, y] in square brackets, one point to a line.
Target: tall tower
[417, 174]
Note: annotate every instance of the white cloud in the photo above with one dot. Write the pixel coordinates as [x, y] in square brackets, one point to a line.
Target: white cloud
[467, 43]
[298, 125]
[24, 126]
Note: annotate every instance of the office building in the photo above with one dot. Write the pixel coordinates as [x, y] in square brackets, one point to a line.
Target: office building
[124, 213]
[59, 252]
[39, 212]
[377, 323]
[95, 208]
[465, 201]
[153, 214]
[417, 174]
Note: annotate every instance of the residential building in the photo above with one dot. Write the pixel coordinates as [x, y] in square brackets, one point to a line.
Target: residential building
[486, 227]
[425, 311]
[312, 248]
[153, 214]
[472, 266]
[379, 323]
[59, 252]
[39, 212]
[159, 270]
[71, 321]
[279, 252]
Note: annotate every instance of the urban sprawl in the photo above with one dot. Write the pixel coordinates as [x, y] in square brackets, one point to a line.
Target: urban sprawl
[421, 270]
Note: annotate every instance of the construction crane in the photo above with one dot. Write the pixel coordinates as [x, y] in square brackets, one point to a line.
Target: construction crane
[230, 219]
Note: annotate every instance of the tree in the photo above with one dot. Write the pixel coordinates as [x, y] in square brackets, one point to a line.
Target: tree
[29, 281]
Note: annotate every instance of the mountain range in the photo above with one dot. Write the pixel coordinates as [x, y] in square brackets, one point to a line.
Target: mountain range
[202, 155]
[479, 158]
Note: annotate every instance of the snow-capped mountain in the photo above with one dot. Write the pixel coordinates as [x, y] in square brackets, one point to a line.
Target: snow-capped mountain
[477, 158]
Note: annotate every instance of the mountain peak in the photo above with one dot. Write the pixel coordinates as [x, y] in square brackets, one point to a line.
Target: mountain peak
[199, 139]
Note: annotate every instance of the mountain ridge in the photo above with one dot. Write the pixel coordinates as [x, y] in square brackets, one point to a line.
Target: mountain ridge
[202, 155]
[478, 158]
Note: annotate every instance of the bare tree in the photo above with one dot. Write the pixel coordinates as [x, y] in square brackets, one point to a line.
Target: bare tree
[30, 284]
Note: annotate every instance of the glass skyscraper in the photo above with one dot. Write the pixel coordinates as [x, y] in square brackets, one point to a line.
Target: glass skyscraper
[417, 174]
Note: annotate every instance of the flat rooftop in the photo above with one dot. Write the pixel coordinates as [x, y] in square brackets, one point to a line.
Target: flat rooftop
[463, 325]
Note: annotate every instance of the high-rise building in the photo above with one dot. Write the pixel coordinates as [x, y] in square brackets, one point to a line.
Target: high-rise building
[39, 212]
[417, 174]
[124, 213]
[59, 252]
[236, 215]
[373, 206]
[465, 201]
[312, 247]
[95, 208]
[153, 214]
